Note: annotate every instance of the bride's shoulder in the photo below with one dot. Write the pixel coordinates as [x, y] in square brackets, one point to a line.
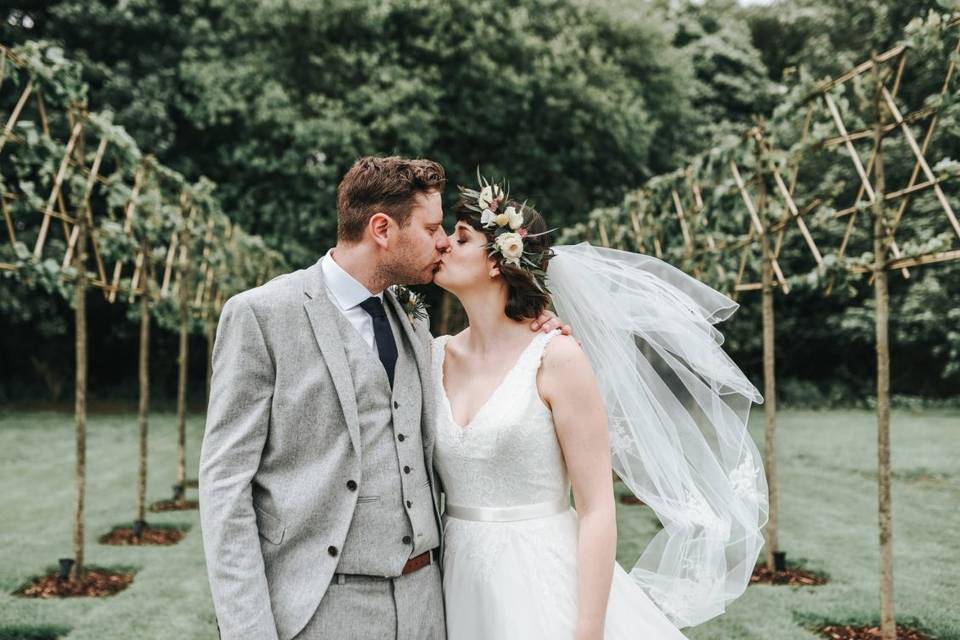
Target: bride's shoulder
[563, 355]
[564, 372]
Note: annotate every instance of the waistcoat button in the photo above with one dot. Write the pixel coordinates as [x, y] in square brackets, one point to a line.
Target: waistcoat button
[401, 437]
[406, 469]
[406, 540]
[332, 551]
[351, 485]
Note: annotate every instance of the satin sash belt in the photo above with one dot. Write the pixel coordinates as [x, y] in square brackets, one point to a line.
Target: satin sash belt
[509, 514]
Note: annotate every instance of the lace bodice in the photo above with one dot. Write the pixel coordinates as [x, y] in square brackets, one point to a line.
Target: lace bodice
[508, 455]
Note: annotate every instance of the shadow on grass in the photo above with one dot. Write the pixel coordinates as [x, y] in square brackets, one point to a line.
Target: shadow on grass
[33, 632]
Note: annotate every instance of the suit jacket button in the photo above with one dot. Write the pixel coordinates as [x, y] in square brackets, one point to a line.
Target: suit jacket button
[351, 485]
[406, 540]
[409, 504]
[406, 469]
[396, 405]
[401, 437]
[332, 551]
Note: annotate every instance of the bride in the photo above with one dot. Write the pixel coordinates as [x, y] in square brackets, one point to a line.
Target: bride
[650, 395]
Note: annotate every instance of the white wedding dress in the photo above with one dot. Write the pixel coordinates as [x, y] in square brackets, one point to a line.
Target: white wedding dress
[510, 535]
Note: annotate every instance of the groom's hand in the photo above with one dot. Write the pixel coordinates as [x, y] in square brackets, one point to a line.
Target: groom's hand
[547, 322]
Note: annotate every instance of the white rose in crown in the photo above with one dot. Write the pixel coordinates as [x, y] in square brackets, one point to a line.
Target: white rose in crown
[514, 218]
[488, 194]
[488, 218]
[510, 246]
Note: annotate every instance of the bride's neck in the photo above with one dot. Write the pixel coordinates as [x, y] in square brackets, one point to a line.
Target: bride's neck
[490, 327]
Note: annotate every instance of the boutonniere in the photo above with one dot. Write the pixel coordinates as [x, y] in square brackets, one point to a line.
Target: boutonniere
[412, 302]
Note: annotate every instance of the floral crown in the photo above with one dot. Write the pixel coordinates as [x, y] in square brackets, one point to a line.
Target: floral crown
[505, 227]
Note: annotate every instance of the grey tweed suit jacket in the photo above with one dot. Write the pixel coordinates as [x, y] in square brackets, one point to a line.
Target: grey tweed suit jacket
[282, 439]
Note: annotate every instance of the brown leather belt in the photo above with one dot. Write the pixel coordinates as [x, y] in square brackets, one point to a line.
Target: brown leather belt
[418, 562]
[413, 564]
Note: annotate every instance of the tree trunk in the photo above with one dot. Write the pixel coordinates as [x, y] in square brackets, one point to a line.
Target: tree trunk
[211, 336]
[880, 246]
[769, 371]
[770, 405]
[182, 386]
[144, 408]
[80, 406]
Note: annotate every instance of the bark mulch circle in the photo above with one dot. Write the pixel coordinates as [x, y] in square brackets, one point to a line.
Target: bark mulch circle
[96, 583]
[159, 535]
[850, 632]
[174, 505]
[629, 498]
[793, 577]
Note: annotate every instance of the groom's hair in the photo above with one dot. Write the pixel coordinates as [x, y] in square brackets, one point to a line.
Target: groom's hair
[389, 185]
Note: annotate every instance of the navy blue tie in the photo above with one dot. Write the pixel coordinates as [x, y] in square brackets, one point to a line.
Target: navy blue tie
[382, 334]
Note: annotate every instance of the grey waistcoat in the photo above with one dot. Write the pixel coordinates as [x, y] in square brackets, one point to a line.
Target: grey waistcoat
[394, 519]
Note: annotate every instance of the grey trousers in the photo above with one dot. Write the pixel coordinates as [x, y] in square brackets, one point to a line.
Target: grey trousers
[409, 607]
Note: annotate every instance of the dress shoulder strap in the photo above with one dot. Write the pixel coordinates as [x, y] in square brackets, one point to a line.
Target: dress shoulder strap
[437, 346]
[533, 356]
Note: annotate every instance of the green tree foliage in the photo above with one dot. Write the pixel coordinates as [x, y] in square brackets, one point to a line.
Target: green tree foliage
[274, 99]
[578, 102]
[830, 312]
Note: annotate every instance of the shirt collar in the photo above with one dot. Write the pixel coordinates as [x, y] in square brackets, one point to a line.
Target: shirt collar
[344, 287]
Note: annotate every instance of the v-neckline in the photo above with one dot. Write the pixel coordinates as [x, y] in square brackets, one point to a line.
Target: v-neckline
[493, 394]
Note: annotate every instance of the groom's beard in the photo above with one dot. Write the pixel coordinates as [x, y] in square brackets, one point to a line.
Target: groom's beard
[404, 271]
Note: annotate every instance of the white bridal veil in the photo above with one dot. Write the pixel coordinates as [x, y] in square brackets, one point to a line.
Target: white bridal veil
[677, 407]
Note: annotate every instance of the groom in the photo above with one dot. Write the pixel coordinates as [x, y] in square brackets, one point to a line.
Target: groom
[318, 499]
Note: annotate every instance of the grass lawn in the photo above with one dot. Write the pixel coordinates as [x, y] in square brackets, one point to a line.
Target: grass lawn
[828, 501]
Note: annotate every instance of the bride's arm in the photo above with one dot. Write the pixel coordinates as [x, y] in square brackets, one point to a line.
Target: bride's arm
[567, 384]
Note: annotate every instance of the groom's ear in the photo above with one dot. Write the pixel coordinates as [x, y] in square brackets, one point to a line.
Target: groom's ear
[379, 226]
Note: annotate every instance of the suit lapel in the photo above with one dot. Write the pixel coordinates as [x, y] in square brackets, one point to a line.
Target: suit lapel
[323, 320]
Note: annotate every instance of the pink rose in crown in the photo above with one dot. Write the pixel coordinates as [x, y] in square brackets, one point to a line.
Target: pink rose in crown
[522, 232]
[494, 204]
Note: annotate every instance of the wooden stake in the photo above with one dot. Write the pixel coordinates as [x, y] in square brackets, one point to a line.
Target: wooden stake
[127, 227]
[58, 181]
[12, 120]
[11, 234]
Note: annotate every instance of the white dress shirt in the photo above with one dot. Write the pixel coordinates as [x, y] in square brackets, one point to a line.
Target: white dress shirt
[347, 294]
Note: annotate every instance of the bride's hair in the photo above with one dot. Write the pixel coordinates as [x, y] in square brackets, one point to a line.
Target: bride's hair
[525, 298]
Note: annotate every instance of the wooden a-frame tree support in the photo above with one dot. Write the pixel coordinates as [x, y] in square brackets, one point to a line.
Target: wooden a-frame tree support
[888, 208]
[77, 204]
[79, 230]
[771, 180]
[700, 248]
[764, 187]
